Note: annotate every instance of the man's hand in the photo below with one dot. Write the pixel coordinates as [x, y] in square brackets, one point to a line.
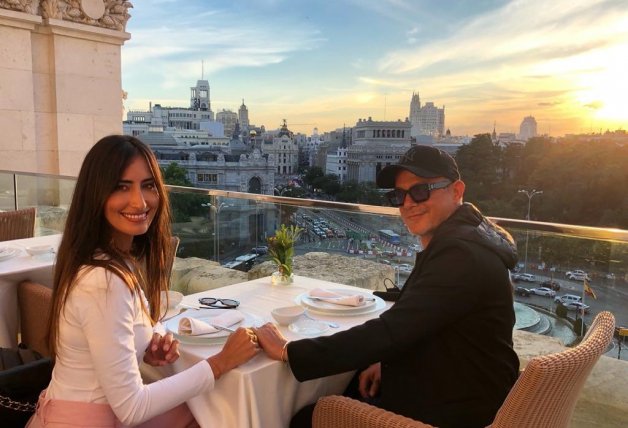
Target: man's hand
[271, 340]
[370, 380]
[162, 350]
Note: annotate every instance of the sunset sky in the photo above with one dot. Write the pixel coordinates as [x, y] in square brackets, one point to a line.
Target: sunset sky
[323, 64]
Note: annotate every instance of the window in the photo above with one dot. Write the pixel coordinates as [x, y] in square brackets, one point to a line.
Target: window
[361, 134]
[207, 178]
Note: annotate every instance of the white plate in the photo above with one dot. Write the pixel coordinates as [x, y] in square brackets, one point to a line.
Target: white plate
[7, 253]
[40, 250]
[323, 307]
[206, 315]
[309, 327]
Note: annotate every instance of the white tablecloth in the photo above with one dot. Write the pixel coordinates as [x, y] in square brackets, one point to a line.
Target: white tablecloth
[262, 393]
[17, 269]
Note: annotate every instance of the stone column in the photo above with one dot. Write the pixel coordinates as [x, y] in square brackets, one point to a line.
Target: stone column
[60, 81]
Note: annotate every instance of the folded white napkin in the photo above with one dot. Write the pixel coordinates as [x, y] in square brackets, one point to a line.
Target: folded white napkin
[192, 326]
[339, 299]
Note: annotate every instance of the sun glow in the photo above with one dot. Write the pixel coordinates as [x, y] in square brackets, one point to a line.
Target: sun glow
[605, 92]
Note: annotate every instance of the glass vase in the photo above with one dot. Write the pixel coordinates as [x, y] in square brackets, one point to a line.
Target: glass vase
[277, 278]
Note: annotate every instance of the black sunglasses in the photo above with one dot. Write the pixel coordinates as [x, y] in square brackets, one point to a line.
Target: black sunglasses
[219, 303]
[418, 192]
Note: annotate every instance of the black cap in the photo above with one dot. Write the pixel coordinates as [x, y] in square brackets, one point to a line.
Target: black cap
[422, 161]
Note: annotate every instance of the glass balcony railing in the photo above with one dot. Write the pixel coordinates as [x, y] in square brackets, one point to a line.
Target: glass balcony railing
[231, 228]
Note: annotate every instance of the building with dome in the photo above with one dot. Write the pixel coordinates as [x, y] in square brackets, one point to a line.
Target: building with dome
[284, 149]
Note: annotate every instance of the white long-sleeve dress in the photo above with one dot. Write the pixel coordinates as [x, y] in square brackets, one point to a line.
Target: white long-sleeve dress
[103, 334]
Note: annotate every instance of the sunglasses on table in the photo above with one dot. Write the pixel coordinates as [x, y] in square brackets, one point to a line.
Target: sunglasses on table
[219, 303]
[418, 192]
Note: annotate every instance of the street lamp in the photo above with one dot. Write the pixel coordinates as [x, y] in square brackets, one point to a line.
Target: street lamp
[280, 191]
[530, 195]
[217, 209]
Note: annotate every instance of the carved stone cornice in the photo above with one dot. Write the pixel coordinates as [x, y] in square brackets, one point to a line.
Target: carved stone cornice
[25, 6]
[110, 14]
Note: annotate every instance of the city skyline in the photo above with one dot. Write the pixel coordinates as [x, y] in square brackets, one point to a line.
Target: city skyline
[325, 65]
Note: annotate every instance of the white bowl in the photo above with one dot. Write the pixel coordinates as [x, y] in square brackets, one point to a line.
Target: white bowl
[38, 250]
[287, 314]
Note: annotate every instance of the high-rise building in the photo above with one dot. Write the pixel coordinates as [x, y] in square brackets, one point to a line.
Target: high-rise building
[229, 119]
[528, 128]
[427, 119]
[243, 116]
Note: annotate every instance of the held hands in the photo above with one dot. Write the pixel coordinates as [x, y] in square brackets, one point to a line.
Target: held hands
[271, 340]
[369, 380]
[162, 350]
[240, 347]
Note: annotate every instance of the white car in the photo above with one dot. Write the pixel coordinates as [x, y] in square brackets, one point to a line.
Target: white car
[567, 298]
[405, 267]
[577, 275]
[543, 291]
[577, 306]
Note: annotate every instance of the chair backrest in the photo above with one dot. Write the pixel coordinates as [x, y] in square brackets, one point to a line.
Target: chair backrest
[335, 411]
[34, 301]
[17, 224]
[546, 392]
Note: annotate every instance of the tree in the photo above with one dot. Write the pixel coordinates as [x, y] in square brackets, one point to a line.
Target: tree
[312, 174]
[183, 205]
[176, 175]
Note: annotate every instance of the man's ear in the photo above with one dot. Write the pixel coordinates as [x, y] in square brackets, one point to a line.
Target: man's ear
[458, 187]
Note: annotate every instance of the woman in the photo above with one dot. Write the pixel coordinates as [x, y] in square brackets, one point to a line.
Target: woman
[111, 268]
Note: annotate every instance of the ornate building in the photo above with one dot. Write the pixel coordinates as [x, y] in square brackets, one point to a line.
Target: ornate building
[284, 149]
[427, 119]
[375, 145]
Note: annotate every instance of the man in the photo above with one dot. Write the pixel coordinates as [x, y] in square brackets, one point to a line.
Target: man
[442, 354]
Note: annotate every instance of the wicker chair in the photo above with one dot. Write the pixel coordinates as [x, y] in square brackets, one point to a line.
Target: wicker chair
[17, 224]
[544, 395]
[34, 301]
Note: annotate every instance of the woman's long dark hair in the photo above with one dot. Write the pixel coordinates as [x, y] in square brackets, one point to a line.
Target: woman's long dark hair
[87, 238]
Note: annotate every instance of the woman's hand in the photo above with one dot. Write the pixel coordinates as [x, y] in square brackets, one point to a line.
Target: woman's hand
[271, 340]
[240, 347]
[162, 350]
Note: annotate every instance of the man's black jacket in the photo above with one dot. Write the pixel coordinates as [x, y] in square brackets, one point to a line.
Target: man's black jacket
[446, 344]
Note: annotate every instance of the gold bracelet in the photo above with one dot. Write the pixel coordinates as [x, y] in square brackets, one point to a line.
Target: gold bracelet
[284, 352]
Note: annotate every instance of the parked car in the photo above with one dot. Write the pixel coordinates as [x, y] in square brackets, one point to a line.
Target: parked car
[577, 306]
[521, 291]
[577, 275]
[567, 298]
[550, 283]
[527, 277]
[543, 291]
[261, 250]
[405, 267]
